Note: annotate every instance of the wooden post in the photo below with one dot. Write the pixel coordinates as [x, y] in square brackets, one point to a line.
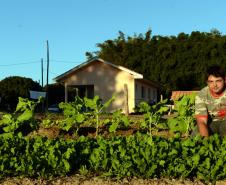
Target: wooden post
[43, 102]
[47, 77]
[126, 106]
[65, 93]
[161, 97]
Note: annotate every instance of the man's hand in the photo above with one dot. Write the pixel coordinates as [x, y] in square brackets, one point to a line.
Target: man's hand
[202, 126]
[221, 113]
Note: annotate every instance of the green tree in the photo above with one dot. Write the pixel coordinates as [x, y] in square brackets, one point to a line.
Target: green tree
[13, 87]
[176, 62]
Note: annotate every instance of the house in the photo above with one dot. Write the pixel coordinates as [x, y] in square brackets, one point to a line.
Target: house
[103, 78]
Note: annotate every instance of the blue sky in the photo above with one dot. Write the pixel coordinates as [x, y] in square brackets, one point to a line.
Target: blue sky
[73, 27]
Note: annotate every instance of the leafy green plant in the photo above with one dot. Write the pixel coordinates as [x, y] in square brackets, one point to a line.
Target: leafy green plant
[96, 107]
[22, 118]
[78, 112]
[47, 123]
[74, 114]
[152, 114]
[119, 120]
[184, 120]
[140, 155]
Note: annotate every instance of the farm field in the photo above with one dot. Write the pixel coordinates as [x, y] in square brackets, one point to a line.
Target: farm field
[92, 147]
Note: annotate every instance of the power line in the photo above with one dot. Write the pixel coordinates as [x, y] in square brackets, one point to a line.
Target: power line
[17, 64]
[25, 63]
[62, 61]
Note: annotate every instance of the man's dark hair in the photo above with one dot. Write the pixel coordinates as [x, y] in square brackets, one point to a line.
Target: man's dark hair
[216, 71]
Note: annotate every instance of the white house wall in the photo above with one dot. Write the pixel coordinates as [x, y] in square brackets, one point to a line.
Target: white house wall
[107, 81]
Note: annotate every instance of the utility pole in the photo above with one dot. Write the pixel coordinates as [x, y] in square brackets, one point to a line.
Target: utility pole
[43, 103]
[42, 70]
[47, 77]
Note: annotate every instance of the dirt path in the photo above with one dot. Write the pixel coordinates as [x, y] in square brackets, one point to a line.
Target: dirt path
[81, 180]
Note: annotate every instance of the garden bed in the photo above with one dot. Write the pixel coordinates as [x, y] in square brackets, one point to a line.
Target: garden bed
[134, 149]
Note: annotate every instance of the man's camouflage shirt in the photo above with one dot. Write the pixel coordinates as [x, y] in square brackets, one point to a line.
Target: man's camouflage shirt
[207, 106]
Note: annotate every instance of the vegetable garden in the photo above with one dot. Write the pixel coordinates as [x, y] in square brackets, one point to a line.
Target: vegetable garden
[143, 153]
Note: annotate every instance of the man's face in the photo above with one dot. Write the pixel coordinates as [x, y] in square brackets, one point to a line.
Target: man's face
[216, 84]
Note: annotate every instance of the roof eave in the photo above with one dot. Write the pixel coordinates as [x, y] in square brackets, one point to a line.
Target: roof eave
[62, 76]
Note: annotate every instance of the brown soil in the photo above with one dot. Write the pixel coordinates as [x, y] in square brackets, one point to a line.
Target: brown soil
[81, 180]
[90, 130]
[54, 132]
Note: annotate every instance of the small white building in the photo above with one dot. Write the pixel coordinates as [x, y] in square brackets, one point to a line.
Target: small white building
[102, 78]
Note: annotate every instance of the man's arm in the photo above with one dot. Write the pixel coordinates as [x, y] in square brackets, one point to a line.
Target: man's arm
[201, 113]
[202, 126]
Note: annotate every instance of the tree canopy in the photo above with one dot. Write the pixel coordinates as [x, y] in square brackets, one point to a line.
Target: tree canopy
[177, 62]
[15, 86]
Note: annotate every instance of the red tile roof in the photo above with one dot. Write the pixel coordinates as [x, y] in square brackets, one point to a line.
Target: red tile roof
[177, 94]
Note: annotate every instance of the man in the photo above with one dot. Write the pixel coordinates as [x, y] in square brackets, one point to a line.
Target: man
[210, 104]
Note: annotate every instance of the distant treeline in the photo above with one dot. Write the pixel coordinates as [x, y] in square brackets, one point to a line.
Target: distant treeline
[177, 62]
[13, 87]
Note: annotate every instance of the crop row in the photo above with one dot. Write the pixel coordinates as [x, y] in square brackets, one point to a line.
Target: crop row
[140, 155]
[88, 111]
